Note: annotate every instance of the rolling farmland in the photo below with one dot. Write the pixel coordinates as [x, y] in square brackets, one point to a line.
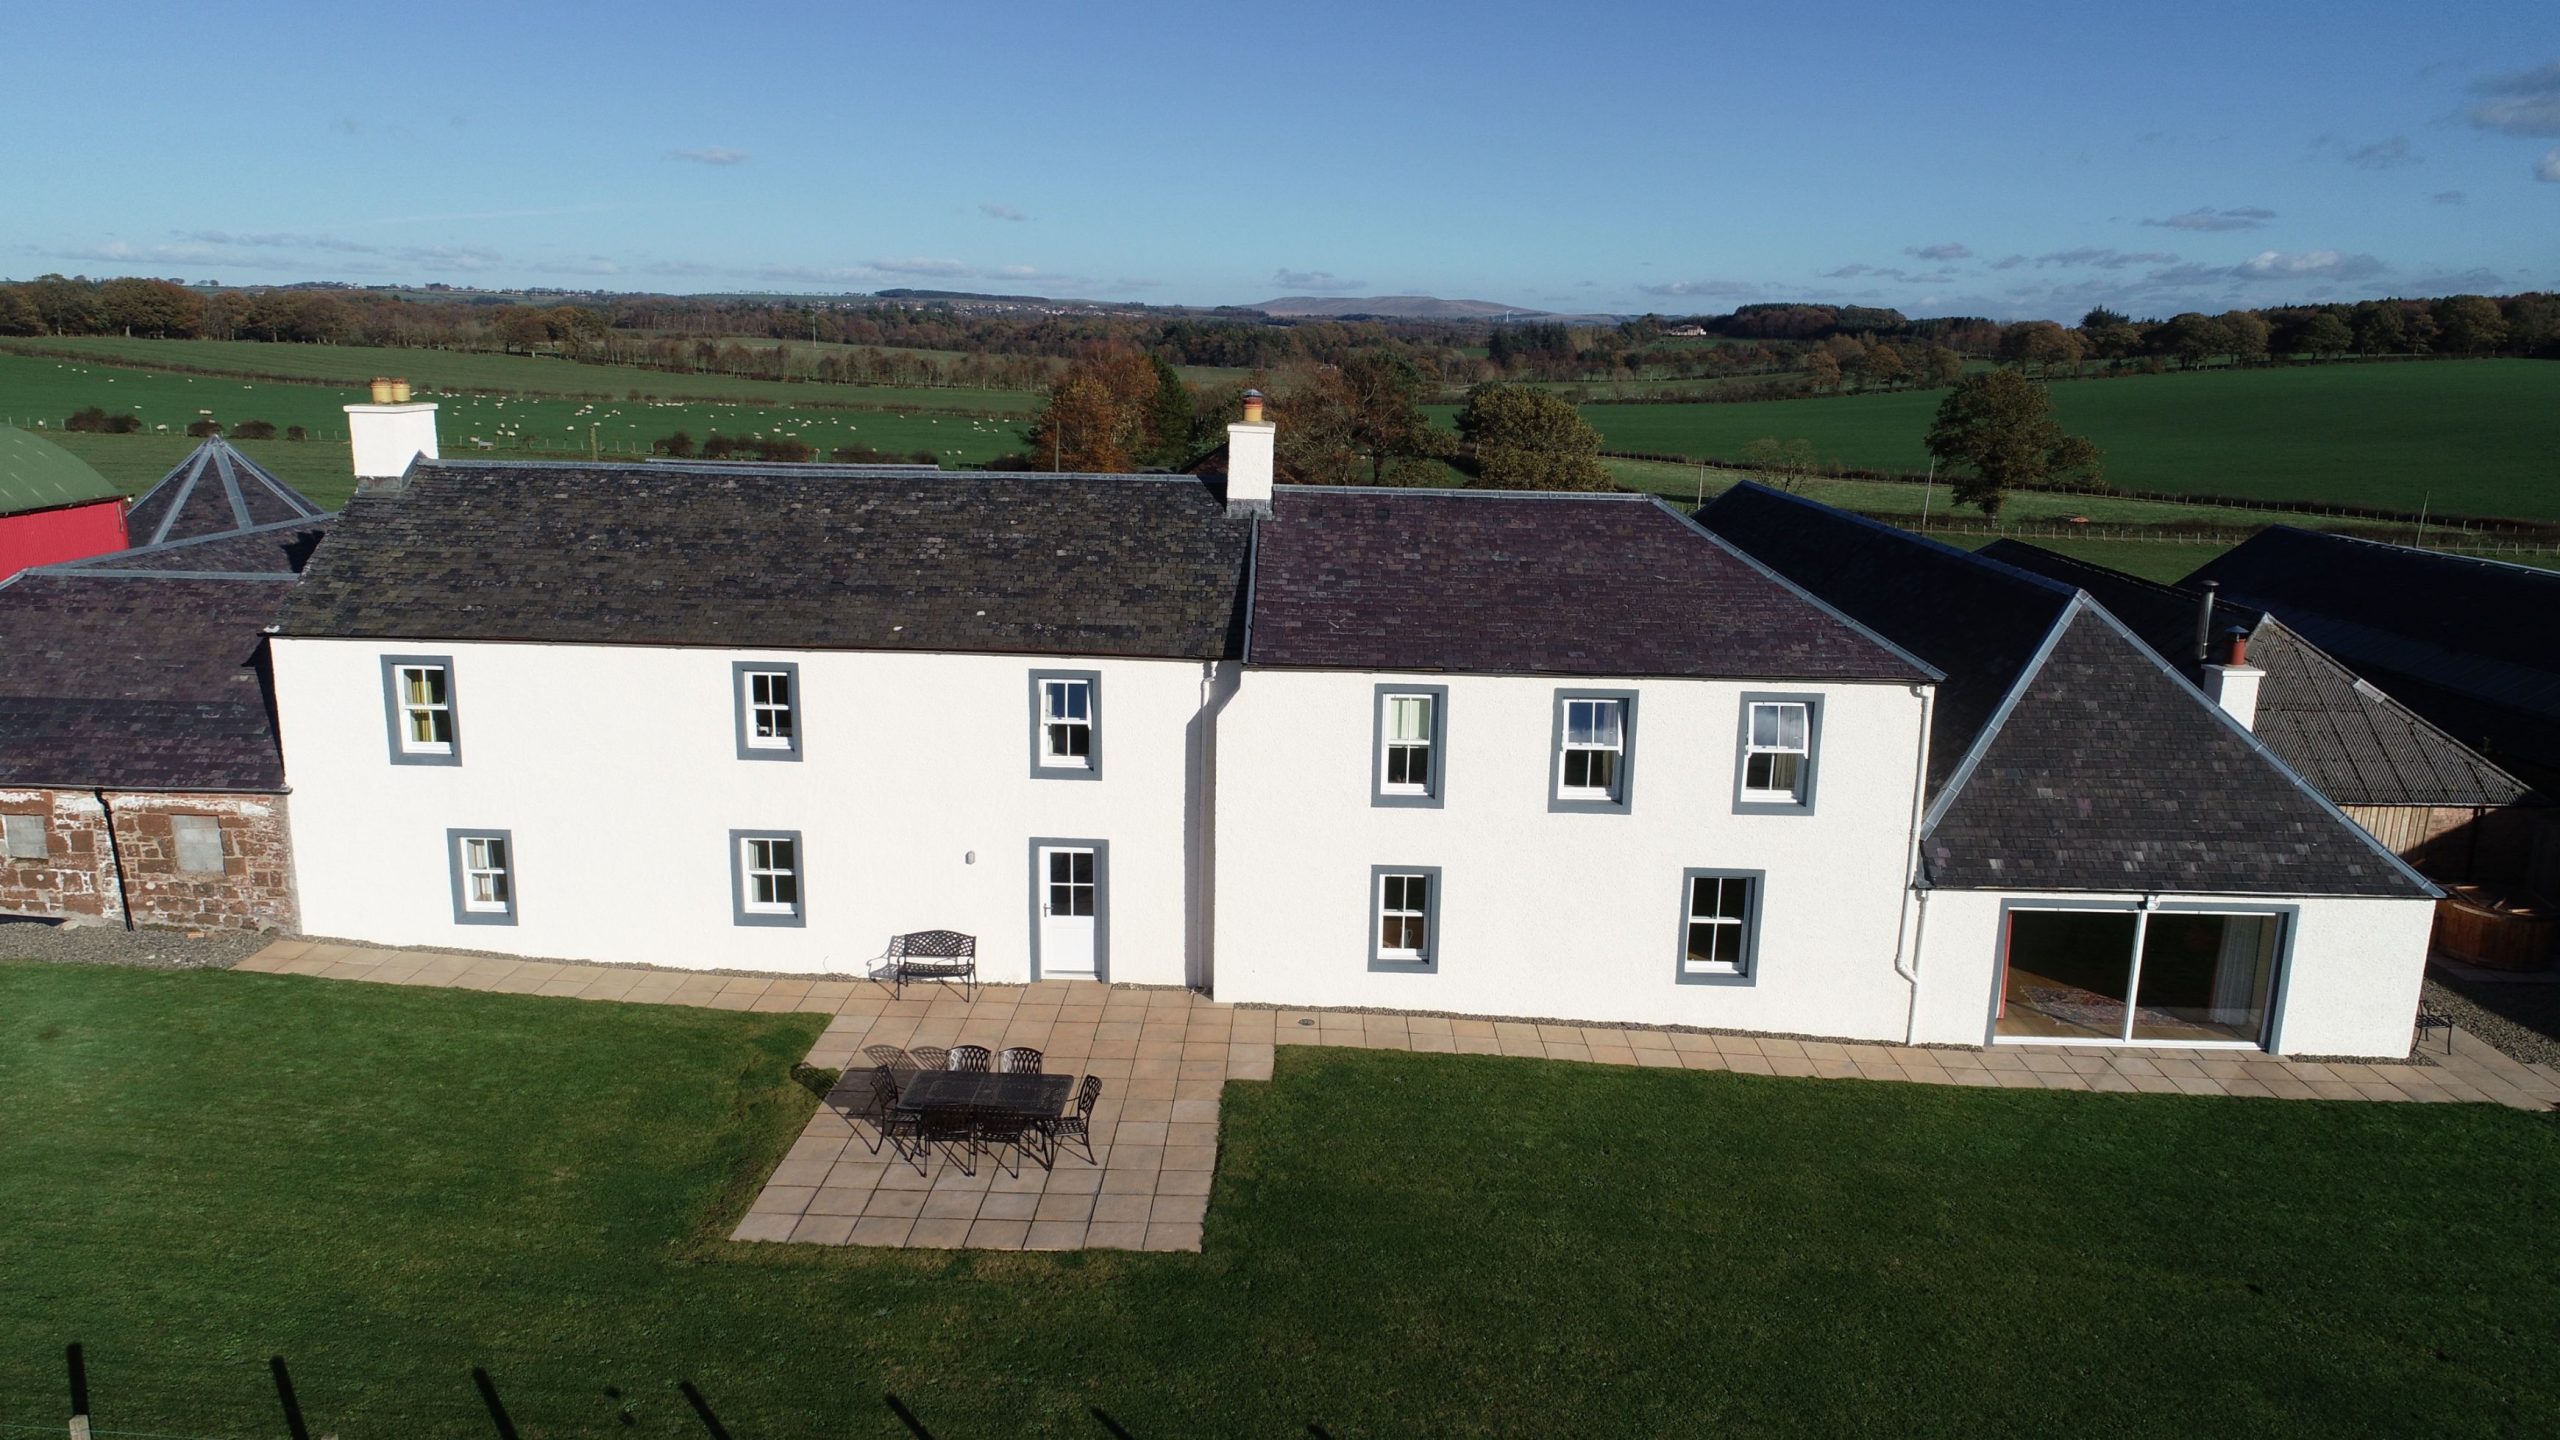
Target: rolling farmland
[2474, 437]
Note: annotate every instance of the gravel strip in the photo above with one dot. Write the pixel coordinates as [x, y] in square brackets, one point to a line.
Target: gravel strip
[2519, 1020]
[101, 944]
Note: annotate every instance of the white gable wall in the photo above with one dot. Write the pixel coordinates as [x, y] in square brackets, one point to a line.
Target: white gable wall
[1572, 916]
[615, 769]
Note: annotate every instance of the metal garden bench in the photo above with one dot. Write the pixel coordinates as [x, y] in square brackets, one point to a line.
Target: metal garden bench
[941, 955]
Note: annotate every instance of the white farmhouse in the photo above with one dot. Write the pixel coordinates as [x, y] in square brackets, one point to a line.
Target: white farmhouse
[1571, 756]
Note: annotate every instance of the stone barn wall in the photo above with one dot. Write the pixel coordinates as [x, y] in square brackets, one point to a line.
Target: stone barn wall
[77, 876]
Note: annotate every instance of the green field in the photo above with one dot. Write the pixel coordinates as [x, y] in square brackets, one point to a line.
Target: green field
[391, 1187]
[2475, 437]
[323, 471]
[350, 366]
[37, 391]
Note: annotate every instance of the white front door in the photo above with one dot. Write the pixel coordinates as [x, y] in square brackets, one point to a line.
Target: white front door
[1069, 886]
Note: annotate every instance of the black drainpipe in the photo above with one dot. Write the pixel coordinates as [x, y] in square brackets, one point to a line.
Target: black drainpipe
[115, 856]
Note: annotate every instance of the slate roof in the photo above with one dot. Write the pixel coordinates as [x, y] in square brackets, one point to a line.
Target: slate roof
[36, 474]
[1978, 623]
[2064, 755]
[1509, 583]
[2357, 745]
[2472, 645]
[214, 491]
[146, 669]
[2110, 774]
[796, 557]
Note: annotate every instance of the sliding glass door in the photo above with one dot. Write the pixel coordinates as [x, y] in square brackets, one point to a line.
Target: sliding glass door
[2171, 977]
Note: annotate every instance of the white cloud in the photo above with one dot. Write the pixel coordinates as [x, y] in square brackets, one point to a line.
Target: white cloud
[1311, 280]
[2106, 257]
[2548, 167]
[1001, 212]
[2246, 217]
[710, 155]
[2307, 265]
[2524, 103]
[1945, 250]
[1705, 289]
[2382, 154]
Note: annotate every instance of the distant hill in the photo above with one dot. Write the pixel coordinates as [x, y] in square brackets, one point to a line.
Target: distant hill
[1402, 307]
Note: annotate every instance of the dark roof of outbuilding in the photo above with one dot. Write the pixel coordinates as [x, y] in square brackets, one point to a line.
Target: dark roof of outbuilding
[2064, 755]
[216, 490]
[2357, 745]
[1978, 623]
[2109, 773]
[2473, 645]
[796, 557]
[146, 669]
[126, 683]
[1496, 582]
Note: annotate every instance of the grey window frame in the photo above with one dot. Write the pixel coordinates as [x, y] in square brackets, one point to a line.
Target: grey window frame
[14, 825]
[1383, 963]
[1742, 752]
[1433, 795]
[743, 708]
[1101, 899]
[739, 914]
[178, 847]
[1093, 723]
[463, 914]
[393, 713]
[1623, 801]
[1758, 911]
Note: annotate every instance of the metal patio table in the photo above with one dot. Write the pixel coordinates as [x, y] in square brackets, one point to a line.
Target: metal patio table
[987, 1102]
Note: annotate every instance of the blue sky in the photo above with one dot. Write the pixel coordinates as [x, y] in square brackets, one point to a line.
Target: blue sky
[2010, 160]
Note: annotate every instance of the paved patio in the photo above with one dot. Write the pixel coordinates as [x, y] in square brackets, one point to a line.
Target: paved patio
[1165, 1057]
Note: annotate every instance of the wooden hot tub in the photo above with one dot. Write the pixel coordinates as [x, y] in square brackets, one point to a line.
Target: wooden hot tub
[2490, 930]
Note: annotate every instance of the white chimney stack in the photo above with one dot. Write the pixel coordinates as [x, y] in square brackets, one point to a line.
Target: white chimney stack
[1249, 446]
[2233, 684]
[389, 432]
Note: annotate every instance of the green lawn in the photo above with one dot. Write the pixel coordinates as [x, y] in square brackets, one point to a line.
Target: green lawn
[324, 470]
[392, 1186]
[2462, 436]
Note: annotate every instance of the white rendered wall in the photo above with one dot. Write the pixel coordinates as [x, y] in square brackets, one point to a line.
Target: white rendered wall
[1572, 916]
[2348, 985]
[385, 438]
[616, 769]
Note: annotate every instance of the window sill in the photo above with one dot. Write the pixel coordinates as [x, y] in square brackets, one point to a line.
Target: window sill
[1403, 964]
[1714, 975]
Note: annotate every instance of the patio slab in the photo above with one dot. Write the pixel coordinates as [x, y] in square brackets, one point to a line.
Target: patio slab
[1165, 1057]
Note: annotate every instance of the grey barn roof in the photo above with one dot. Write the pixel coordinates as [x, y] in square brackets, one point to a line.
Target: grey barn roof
[146, 669]
[2472, 645]
[216, 490]
[1496, 582]
[796, 557]
[2065, 755]
[2357, 745]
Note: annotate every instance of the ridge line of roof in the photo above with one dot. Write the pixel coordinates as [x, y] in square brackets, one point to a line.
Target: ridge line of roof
[231, 485]
[299, 523]
[193, 467]
[1463, 492]
[122, 574]
[1957, 778]
[2232, 722]
[790, 469]
[1911, 537]
[2444, 555]
[1935, 674]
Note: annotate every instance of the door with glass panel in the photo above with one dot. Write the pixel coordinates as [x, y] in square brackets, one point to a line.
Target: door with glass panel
[1069, 882]
[2173, 977]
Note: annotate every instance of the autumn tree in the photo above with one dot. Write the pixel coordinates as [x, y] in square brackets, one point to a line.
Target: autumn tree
[1885, 365]
[1384, 392]
[1172, 417]
[1787, 462]
[2469, 324]
[2326, 335]
[1998, 427]
[1096, 417]
[1524, 439]
[1822, 371]
[151, 307]
[1940, 367]
[2248, 334]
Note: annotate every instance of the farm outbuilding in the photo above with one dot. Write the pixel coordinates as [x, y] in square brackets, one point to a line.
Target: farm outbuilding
[53, 507]
[140, 778]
